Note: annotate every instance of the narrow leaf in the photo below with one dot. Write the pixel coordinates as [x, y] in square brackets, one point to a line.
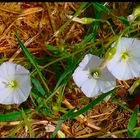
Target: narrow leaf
[72, 114]
[101, 7]
[123, 20]
[30, 57]
[38, 86]
[63, 118]
[91, 104]
[133, 121]
[137, 134]
[68, 70]
[15, 115]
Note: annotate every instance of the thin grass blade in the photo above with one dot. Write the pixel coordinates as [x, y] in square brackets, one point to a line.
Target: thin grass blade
[133, 121]
[30, 57]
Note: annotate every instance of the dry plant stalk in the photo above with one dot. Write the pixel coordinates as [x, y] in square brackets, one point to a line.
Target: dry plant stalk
[83, 119]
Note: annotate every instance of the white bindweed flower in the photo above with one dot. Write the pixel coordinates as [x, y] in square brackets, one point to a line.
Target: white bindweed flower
[91, 79]
[15, 83]
[125, 64]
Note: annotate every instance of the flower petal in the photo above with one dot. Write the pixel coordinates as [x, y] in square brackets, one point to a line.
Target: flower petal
[90, 88]
[85, 60]
[135, 67]
[135, 43]
[20, 70]
[90, 61]
[7, 70]
[24, 84]
[135, 49]
[135, 52]
[94, 62]
[107, 76]
[120, 69]
[106, 86]
[6, 95]
[124, 44]
[2, 81]
[20, 96]
[80, 76]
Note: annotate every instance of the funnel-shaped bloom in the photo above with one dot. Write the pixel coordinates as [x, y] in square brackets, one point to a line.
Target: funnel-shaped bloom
[15, 83]
[125, 64]
[91, 79]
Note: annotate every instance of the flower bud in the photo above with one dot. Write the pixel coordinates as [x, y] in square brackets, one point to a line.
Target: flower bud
[133, 87]
[135, 14]
[82, 20]
[136, 11]
[60, 134]
[108, 56]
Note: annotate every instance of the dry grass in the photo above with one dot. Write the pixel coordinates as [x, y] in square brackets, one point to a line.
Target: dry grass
[36, 23]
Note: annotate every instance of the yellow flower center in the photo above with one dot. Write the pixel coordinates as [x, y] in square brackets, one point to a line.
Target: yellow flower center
[12, 84]
[125, 55]
[95, 73]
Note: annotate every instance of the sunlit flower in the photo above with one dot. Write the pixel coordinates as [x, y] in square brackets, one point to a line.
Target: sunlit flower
[91, 79]
[15, 83]
[125, 64]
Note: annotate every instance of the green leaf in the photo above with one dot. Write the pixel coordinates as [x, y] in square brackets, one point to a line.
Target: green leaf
[91, 104]
[94, 26]
[57, 50]
[41, 103]
[53, 49]
[133, 121]
[15, 115]
[68, 70]
[123, 20]
[101, 7]
[46, 59]
[63, 118]
[137, 134]
[57, 70]
[38, 86]
[30, 57]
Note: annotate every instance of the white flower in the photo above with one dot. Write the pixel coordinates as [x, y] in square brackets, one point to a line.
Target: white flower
[125, 64]
[15, 83]
[91, 79]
